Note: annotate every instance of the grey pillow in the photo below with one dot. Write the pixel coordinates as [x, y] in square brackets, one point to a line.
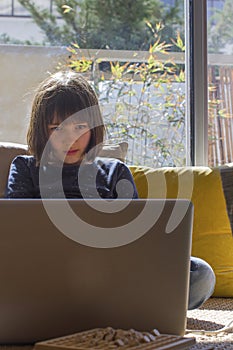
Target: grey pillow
[118, 151]
[227, 184]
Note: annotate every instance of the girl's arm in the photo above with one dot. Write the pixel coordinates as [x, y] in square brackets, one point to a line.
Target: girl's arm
[20, 184]
[125, 186]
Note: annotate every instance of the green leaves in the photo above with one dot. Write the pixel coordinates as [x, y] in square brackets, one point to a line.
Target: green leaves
[67, 9]
[121, 24]
[179, 42]
[146, 99]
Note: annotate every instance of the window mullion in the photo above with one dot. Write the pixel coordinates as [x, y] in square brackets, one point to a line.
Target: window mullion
[197, 81]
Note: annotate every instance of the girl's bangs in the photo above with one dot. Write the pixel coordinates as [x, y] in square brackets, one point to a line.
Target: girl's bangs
[62, 106]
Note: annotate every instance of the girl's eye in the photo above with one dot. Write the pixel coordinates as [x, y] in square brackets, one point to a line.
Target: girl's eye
[81, 126]
[55, 128]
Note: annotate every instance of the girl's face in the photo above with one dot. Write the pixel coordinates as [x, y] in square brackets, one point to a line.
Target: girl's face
[69, 140]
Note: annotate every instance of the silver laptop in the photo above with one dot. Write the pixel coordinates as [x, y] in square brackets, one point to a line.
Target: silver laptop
[70, 266]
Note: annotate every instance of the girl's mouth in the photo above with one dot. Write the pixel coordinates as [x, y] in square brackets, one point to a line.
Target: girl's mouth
[71, 152]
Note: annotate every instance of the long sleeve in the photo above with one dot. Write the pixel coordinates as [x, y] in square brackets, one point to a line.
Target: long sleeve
[105, 177]
[114, 179]
[124, 184]
[20, 183]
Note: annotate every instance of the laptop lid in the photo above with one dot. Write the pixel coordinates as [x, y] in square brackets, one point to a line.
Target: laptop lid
[70, 266]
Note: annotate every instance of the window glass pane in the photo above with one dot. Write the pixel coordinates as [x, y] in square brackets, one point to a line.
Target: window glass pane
[19, 10]
[220, 57]
[142, 93]
[5, 8]
[14, 8]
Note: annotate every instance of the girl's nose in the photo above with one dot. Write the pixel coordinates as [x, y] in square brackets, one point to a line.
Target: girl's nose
[68, 137]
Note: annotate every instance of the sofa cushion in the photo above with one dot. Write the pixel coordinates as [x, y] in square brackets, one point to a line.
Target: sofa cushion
[212, 235]
[8, 151]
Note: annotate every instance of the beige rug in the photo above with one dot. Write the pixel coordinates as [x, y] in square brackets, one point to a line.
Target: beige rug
[215, 314]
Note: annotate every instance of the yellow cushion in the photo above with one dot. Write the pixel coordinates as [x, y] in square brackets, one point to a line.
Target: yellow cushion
[212, 236]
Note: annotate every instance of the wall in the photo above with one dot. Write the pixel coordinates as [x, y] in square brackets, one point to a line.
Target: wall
[21, 70]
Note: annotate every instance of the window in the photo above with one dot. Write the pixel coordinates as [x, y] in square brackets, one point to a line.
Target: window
[143, 90]
[162, 120]
[143, 99]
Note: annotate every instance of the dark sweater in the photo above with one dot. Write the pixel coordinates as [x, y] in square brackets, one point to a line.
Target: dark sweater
[101, 178]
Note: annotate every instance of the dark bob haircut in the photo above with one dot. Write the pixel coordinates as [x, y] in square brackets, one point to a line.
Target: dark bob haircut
[58, 97]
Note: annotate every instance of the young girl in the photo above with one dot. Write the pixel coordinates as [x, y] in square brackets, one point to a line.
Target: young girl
[66, 126]
[65, 130]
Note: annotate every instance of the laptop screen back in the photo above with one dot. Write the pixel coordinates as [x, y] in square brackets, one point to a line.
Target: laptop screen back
[53, 285]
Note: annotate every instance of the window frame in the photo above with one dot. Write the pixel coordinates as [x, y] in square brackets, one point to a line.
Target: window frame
[196, 65]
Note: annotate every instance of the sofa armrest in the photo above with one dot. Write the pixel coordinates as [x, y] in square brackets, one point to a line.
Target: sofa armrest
[8, 151]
